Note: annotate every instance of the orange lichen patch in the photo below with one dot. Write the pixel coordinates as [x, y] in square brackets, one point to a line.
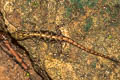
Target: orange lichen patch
[16, 55]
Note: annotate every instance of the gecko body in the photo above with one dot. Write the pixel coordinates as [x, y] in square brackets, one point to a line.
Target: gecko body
[51, 36]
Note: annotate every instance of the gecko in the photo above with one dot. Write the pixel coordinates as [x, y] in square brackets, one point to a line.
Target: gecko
[47, 35]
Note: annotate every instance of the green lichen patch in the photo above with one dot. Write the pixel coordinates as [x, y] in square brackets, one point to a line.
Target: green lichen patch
[91, 3]
[89, 22]
[68, 12]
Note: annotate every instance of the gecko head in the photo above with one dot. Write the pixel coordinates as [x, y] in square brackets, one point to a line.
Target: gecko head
[20, 35]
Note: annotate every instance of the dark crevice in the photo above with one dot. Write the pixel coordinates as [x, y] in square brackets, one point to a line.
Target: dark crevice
[42, 73]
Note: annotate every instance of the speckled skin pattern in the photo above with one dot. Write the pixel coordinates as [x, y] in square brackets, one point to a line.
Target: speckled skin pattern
[51, 36]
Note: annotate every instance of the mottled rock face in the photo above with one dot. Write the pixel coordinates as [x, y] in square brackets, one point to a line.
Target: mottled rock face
[93, 24]
[3, 76]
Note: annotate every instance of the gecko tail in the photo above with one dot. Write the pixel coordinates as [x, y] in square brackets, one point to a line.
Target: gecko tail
[89, 50]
